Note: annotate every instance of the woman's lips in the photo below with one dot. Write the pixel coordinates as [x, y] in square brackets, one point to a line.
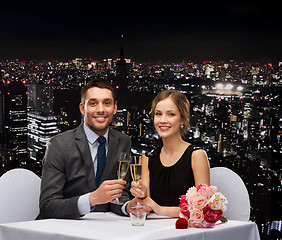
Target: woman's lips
[164, 128]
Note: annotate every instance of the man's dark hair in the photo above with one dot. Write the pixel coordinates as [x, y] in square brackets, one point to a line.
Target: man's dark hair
[99, 83]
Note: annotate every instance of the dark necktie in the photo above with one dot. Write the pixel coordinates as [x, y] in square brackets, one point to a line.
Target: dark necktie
[101, 156]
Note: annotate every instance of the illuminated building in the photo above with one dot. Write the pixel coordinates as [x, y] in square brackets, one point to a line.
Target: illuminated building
[42, 123]
[40, 98]
[66, 107]
[13, 122]
[41, 127]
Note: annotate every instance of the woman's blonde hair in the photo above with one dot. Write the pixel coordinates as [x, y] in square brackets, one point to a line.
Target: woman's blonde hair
[182, 103]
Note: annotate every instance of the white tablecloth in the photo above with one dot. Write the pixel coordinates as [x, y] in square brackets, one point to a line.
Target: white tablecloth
[112, 227]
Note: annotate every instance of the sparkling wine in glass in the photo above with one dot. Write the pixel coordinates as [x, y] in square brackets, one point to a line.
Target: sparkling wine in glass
[123, 165]
[136, 170]
[122, 169]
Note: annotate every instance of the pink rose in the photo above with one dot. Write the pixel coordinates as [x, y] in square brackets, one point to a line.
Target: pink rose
[200, 202]
[197, 215]
[200, 186]
[196, 224]
[183, 199]
[206, 190]
[184, 212]
[191, 203]
[184, 209]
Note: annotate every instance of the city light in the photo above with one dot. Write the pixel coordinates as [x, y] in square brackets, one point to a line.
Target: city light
[220, 86]
[228, 86]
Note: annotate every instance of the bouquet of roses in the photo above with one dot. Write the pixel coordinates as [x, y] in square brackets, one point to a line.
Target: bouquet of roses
[202, 207]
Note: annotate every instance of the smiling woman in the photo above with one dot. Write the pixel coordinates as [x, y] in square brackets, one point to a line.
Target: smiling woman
[169, 171]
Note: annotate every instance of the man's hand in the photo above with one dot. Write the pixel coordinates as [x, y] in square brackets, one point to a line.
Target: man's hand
[107, 191]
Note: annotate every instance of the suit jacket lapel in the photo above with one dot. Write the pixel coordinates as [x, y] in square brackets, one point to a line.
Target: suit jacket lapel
[83, 146]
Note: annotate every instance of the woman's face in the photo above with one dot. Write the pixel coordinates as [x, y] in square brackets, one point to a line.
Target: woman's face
[167, 118]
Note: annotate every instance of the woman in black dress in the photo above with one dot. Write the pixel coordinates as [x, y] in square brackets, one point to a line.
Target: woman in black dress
[168, 172]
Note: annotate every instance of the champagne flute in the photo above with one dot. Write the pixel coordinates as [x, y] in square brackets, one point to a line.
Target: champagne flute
[123, 165]
[136, 170]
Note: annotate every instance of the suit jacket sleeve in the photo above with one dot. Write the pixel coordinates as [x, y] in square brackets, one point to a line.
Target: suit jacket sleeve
[53, 203]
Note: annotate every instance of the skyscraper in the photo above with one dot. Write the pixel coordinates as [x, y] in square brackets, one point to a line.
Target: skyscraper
[42, 123]
[122, 80]
[13, 120]
[40, 98]
[41, 127]
[121, 83]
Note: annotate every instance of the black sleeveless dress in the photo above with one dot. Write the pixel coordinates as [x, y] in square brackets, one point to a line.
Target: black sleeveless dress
[167, 184]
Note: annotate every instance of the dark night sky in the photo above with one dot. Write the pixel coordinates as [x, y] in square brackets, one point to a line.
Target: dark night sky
[172, 31]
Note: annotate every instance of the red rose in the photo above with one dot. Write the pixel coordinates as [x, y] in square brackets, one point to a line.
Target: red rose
[206, 208]
[181, 223]
[212, 216]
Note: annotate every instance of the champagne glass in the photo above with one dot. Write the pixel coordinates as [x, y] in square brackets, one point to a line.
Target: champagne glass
[136, 169]
[123, 165]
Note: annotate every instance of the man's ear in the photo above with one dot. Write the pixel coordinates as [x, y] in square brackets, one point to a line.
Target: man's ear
[115, 108]
[82, 108]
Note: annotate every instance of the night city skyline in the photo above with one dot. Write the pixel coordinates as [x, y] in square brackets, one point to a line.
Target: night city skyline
[235, 114]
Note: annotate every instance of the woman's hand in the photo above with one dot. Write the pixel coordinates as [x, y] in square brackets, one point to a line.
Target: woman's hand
[138, 189]
[161, 210]
[130, 206]
[149, 202]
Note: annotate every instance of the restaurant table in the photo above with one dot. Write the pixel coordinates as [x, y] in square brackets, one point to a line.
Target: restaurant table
[111, 226]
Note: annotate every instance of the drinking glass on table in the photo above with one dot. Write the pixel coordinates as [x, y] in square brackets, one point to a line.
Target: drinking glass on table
[136, 169]
[137, 218]
[123, 165]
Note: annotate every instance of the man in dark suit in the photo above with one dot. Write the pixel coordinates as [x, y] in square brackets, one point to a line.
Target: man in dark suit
[70, 187]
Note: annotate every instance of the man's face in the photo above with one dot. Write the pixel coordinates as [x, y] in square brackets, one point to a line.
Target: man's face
[98, 109]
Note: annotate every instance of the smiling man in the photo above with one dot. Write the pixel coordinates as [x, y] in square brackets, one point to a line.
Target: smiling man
[75, 180]
[98, 105]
